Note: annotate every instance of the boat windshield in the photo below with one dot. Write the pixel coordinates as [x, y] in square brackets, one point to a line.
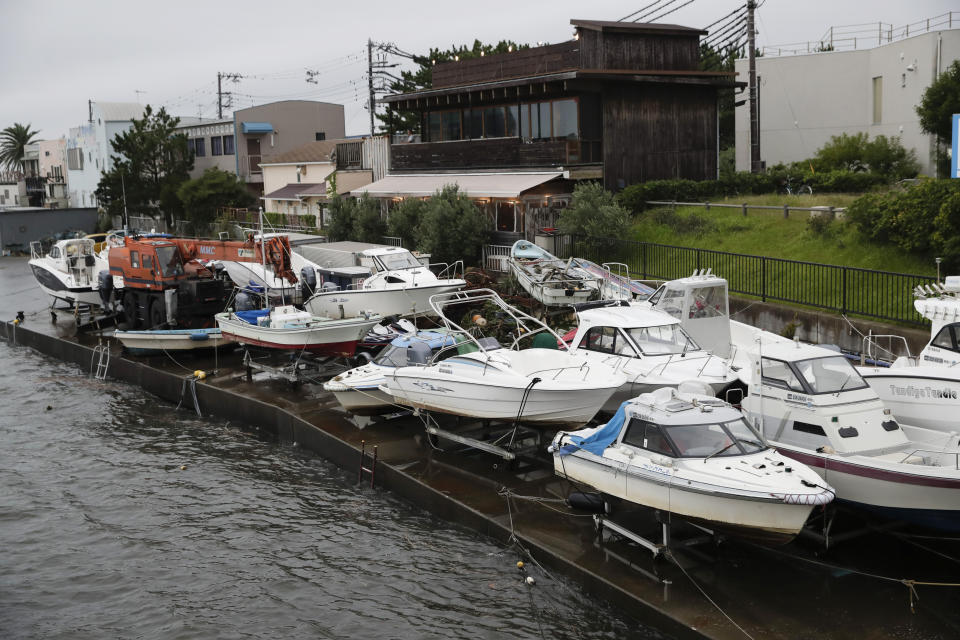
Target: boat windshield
[734, 438]
[398, 261]
[392, 357]
[829, 375]
[662, 340]
[168, 258]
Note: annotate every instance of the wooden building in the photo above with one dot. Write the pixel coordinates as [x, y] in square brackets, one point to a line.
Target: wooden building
[621, 102]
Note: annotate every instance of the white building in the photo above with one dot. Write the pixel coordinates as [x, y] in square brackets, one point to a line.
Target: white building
[805, 99]
[89, 150]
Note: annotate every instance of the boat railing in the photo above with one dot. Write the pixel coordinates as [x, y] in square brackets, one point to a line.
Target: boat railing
[36, 250]
[583, 368]
[447, 270]
[874, 351]
[933, 458]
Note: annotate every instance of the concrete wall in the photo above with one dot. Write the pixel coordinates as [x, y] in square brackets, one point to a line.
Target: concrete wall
[20, 227]
[806, 99]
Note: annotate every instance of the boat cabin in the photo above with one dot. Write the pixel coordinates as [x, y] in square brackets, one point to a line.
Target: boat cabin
[701, 303]
[632, 332]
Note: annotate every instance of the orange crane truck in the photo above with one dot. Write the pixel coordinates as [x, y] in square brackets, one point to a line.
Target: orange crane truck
[162, 281]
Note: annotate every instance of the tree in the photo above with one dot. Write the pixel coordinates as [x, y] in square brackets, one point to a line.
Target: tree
[368, 225]
[594, 213]
[404, 221]
[341, 218]
[452, 227]
[150, 165]
[422, 78]
[722, 58]
[882, 155]
[12, 141]
[202, 196]
[937, 106]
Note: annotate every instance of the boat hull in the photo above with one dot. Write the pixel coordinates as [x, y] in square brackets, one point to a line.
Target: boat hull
[930, 496]
[57, 288]
[386, 302]
[547, 294]
[154, 342]
[920, 396]
[333, 338]
[753, 515]
[365, 402]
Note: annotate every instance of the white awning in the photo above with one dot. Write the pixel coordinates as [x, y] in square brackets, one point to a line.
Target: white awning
[475, 185]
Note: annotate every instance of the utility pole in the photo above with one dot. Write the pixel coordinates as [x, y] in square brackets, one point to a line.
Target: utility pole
[221, 76]
[754, 110]
[90, 111]
[373, 98]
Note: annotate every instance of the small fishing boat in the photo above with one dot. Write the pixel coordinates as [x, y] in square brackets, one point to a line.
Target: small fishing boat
[550, 280]
[923, 390]
[358, 390]
[68, 271]
[615, 281]
[814, 406]
[650, 348]
[164, 340]
[694, 456]
[400, 285]
[483, 379]
[288, 328]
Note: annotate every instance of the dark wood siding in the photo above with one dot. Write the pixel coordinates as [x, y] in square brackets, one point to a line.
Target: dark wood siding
[518, 64]
[603, 50]
[500, 153]
[655, 132]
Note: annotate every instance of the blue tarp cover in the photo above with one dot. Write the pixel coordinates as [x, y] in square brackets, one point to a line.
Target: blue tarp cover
[251, 317]
[602, 437]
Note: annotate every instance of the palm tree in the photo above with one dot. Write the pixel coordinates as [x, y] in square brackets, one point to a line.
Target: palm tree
[12, 141]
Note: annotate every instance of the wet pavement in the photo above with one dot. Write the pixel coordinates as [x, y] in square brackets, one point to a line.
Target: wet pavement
[724, 588]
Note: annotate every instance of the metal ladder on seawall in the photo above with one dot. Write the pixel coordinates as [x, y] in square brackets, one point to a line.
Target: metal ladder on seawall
[100, 361]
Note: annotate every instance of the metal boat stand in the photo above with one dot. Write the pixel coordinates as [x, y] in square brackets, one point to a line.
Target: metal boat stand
[667, 541]
[824, 535]
[301, 369]
[505, 443]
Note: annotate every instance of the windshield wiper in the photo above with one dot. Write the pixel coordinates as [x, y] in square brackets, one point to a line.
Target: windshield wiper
[716, 453]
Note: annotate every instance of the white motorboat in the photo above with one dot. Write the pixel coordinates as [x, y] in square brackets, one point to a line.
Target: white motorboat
[923, 390]
[68, 271]
[813, 406]
[163, 340]
[401, 286]
[483, 379]
[550, 280]
[650, 349]
[358, 390]
[694, 456]
[614, 280]
[288, 328]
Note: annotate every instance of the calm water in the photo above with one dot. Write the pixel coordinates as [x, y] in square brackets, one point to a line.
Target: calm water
[103, 535]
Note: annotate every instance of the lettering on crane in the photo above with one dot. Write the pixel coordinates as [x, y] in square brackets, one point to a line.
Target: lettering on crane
[206, 250]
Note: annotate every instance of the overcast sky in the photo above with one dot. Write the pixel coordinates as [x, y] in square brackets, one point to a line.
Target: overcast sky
[57, 54]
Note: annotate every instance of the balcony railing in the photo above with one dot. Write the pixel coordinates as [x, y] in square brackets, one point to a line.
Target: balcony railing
[253, 164]
[350, 155]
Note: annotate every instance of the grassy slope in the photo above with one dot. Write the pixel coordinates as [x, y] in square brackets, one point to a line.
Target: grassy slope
[767, 233]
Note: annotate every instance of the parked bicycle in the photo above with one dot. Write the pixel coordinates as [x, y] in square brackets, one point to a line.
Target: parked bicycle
[796, 190]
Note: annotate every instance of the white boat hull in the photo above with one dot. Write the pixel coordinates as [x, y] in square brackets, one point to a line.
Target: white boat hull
[332, 338]
[758, 514]
[58, 286]
[180, 340]
[547, 294]
[405, 301]
[920, 396]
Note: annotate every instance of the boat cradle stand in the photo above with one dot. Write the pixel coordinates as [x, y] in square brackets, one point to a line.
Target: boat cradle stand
[656, 548]
[505, 443]
[302, 369]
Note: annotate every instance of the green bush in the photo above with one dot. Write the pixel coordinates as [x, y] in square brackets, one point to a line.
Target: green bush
[594, 213]
[946, 234]
[884, 156]
[821, 226]
[341, 219]
[274, 219]
[919, 220]
[404, 221]
[683, 224]
[368, 225]
[452, 227]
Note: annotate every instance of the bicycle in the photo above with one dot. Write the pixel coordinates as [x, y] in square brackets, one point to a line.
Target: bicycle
[790, 189]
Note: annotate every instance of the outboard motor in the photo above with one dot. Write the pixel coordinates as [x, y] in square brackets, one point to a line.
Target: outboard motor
[329, 286]
[105, 285]
[245, 301]
[308, 281]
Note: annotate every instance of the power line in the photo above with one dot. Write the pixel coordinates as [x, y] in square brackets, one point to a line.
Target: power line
[650, 13]
[624, 18]
[671, 11]
[738, 9]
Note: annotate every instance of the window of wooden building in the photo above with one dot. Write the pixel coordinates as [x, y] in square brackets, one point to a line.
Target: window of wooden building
[545, 120]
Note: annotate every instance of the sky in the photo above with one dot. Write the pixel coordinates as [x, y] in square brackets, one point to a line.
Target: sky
[58, 54]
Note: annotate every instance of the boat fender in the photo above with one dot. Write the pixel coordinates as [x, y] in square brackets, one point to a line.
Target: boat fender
[199, 374]
[199, 336]
[592, 502]
[520, 565]
[531, 581]
[826, 449]
[663, 461]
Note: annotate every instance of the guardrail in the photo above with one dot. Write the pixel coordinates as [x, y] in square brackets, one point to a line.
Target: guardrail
[495, 257]
[882, 295]
[786, 209]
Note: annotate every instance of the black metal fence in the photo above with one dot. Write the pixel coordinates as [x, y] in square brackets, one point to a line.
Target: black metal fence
[882, 295]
